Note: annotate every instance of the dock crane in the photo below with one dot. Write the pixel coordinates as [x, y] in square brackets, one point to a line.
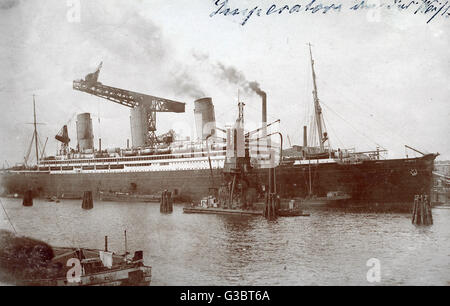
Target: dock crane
[145, 104]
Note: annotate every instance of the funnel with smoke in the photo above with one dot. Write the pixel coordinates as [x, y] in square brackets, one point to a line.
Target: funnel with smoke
[255, 87]
[234, 76]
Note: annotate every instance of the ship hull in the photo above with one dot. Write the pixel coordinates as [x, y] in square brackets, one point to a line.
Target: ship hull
[184, 184]
[382, 183]
[371, 182]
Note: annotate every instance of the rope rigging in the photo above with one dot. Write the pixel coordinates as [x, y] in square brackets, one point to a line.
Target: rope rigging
[354, 128]
[383, 127]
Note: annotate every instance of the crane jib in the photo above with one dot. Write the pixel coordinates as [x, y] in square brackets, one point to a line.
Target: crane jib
[129, 98]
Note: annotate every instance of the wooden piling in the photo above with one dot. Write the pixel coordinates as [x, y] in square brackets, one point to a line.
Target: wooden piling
[169, 202]
[166, 203]
[414, 213]
[161, 203]
[274, 205]
[422, 211]
[266, 204]
[270, 206]
[28, 198]
[87, 203]
[430, 215]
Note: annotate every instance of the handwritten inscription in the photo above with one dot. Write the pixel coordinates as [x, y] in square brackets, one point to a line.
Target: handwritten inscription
[432, 9]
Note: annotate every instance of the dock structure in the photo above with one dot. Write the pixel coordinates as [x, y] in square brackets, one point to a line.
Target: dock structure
[422, 211]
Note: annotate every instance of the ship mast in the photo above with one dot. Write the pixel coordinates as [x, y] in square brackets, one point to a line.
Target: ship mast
[318, 110]
[35, 130]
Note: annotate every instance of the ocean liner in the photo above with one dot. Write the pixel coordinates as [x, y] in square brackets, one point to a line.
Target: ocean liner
[190, 169]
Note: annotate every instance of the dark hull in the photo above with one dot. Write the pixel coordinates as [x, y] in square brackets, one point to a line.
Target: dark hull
[184, 184]
[372, 182]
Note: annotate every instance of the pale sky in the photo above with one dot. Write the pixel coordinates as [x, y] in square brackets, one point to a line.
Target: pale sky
[382, 75]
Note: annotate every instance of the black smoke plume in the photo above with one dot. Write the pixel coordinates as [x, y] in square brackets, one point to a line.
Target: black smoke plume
[234, 76]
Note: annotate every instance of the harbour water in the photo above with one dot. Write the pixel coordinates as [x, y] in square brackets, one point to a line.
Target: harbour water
[331, 247]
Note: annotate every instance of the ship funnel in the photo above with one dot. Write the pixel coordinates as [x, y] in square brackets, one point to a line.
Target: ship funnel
[85, 136]
[263, 96]
[205, 120]
[138, 121]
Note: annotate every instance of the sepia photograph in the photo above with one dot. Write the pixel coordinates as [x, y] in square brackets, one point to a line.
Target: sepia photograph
[225, 148]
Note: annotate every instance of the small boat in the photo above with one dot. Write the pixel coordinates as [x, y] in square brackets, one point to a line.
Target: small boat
[53, 199]
[210, 205]
[332, 198]
[128, 197]
[31, 262]
[71, 196]
[97, 268]
[220, 211]
[292, 209]
[291, 213]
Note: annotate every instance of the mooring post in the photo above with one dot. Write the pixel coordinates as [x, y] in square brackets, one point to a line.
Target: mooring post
[270, 206]
[277, 202]
[427, 210]
[419, 211]
[274, 205]
[165, 201]
[106, 243]
[28, 198]
[126, 248]
[169, 201]
[428, 206]
[161, 205]
[265, 206]
[87, 202]
[166, 204]
[422, 214]
[416, 201]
